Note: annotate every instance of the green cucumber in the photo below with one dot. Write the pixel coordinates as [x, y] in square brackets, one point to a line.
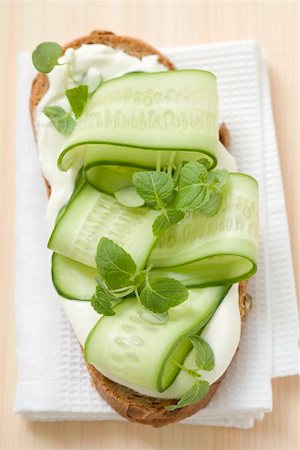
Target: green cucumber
[214, 250]
[210, 271]
[109, 179]
[128, 348]
[129, 197]
[108, 169]
[143, 113]
[72, 279]
[91, 215]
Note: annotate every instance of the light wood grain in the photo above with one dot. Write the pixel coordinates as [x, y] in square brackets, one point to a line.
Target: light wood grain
[24, 24]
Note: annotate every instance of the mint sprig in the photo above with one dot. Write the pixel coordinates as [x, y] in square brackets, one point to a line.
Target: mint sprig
[45, 56]
[102, 302]
[115, 265]
[60, 119]
[192, 188]
[120, 278]
[78, 97]
[161, 294]
[165, 220]
[196, 393]
[205, 359]
[199, 189]
[156, 188]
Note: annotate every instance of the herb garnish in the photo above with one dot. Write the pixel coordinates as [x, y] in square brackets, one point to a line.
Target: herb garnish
[192, 188]
[161, 294]
[63, 120]
[46, 55]
[78, 96]
[120, 277]
[204, 359]
[156, 188]
[102, 302]
[60, 119]
[198, 391]
[200, 189]
[166, 219]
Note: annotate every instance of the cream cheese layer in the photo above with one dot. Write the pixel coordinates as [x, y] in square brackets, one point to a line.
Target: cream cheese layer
[91, 64]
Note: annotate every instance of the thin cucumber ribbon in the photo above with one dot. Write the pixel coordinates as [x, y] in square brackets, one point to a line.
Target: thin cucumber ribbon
[134, 120]
[127, 341]
[208, 251]
[200, 251]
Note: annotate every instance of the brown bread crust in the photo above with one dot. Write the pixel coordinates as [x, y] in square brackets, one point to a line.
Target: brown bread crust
[128, 403]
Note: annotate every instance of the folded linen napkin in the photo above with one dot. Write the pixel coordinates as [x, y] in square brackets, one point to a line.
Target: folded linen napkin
[53, 383]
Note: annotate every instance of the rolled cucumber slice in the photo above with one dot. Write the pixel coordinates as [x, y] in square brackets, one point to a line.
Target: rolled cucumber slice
[214, 250]
[119, 346]
[90, 215]
[72, 279]
[143, 113]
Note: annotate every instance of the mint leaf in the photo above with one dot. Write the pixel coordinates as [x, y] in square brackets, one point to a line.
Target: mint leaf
[218, 178]
[204, 161]
[156, 188]
[101, 302]
[200, 189]
[192, 186]
[45, 56]
[212, 205]
[205, 359]
[154, 318]
[60, 119]
[161, 294]
[165, 220]
[78, 96]
[197, 392]
[115, 265]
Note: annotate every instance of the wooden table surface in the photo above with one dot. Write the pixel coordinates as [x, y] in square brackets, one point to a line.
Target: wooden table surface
[22, 26]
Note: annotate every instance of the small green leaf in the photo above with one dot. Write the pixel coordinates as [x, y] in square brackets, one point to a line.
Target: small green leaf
[161, 294]
[165, 220]
[45, 56]
[139, 278]
[192, 186]
[154, 187]
[197, 392]
[78, 96]
[101, 302]
[115, 265]
[213, 204]
[204, 161]
[205, 359]
[218, 178]
[60, 119]
[154, 318]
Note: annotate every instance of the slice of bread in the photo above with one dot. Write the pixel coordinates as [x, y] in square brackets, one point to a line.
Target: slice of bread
[128, 403]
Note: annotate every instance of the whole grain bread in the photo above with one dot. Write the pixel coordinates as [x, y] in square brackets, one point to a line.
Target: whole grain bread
[128, 403]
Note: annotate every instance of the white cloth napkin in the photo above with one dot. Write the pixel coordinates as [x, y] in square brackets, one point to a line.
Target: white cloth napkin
[53, 383]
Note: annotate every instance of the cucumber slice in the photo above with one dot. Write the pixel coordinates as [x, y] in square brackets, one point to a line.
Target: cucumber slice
[91, 215]
[109, 179]
[119, 346]
[223, 248]
[72, 279]
[175, 110]
[210, 271]
[129, 197]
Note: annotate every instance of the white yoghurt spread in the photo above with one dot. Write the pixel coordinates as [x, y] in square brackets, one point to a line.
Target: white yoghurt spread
[89, 65]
